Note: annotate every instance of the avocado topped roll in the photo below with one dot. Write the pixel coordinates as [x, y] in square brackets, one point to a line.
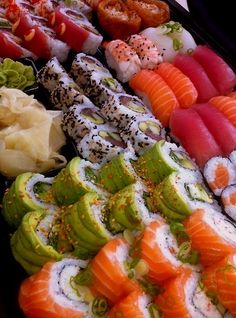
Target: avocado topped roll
[30, 243]
[121, 109]
[118, 173]
[163, 159]
[143, 132]
[128, 208]
[79, 177]
[177, 197]
[84, 225]
[29, 192]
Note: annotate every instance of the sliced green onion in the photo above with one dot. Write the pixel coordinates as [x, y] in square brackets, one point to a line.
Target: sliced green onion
[178, 230]
[84, 277]
[177, 44]
[149, 287]
[201, 285]
[128, 236]
[213, 297]
[186, 255]
[153, 311]
[99, 306]
[226, 270]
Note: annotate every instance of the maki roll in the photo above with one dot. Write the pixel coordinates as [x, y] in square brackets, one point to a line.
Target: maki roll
[163, 159]
[30, 244]
[177, 196]
[143, 132]
[183, 297]
[101, 145]
[128, 209]
[107, 274]
[57, 295]
[118, 173]
[212, 235]
[232, 157]
[123, 59]
[79, 120]
[228, 198]
[219, 173]
[27, 193]
[121, 109]
[83, 224]
[78, 178]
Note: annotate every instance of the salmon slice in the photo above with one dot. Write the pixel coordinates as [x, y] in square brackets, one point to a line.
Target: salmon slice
[212, 235]
[227, 106]
[180, 84]
[109, 277]
[221, 178]
[153, 88]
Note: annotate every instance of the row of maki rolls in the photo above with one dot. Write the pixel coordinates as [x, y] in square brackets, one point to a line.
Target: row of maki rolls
[101, 118]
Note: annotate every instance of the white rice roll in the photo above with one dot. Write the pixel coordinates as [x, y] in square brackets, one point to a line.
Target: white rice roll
[232, 157]
[123, 59]
[142, 133]
[58, 49]
[101, 145]
[121, 109]
[228, 198]
[219, 173]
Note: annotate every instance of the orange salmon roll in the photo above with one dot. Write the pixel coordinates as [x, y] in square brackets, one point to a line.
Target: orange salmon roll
[227, 106]
[212, 234]
[180, 84]
[157, 94]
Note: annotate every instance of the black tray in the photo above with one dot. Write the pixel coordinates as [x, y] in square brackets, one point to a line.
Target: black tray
[11, 274]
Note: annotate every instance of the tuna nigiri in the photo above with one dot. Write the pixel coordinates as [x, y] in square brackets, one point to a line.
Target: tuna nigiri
[212, 235]
[180, 84]
[156, 92]
[191, 68]
[187, 126]
[227, 106]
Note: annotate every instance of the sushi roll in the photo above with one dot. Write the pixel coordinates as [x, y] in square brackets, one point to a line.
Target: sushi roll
[27, 193]
[158, 247]
[79, 120]
[136, 304]
[101, 145]
[121, 109]
[228, 198]
[30, 244]
[83, 223]
[183, 297]
[108, 273]
[220, 282]
[212, 234]
[57, 294]
[123, 59]
[146, 50]
[143, 132]
[232, 157]
[178, 195]
[163, 159]
[219, 173]
[118, 173]
[128, 209]
[51, 74]
[79, 6]
[78, 178]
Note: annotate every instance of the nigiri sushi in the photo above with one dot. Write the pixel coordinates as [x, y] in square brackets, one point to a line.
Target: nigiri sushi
[227, 106]
[228, 199]
[212, 235]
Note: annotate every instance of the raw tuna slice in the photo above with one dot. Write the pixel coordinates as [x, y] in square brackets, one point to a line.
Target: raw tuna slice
[219, 72]
[219, 126]
[191, 68]
[187, 126]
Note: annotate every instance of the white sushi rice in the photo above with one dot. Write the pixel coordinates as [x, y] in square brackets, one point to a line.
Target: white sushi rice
[97, 212]
[210, 168]
[59, 49]
[143, 210]
[232, 157]
[229, 207]
[143, 302]
[44, 227]
[93, 41]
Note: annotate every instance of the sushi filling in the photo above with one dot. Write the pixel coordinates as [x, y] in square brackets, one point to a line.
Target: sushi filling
[112, 138]
[141, 202]
[111, 84]
[182, 159]
[44, 229]
[133, 104]
[93, 116]
[99, 213]
[228, 198]
[151, 129]
[196, 192]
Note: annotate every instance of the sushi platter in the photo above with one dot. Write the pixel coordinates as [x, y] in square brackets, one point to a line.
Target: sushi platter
[117, 162]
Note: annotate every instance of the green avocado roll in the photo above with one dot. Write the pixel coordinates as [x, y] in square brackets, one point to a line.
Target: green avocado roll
[128, 208]
[179, 195]
[30, 243]
[29, 192]
[118, 173]
[78, 178]
[84, 224]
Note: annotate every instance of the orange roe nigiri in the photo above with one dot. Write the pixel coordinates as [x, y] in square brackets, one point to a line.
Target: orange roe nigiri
[180, 84]
[159, 95]
[227, 106]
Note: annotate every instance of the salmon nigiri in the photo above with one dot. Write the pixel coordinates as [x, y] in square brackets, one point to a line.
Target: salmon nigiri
[212, 235]
[180, 84]
[183, 298]
[156, 92]
[227, 106]
[220, 281]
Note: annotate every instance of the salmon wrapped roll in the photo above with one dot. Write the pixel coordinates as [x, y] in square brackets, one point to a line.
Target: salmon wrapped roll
[152, 12]
[117, 20]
